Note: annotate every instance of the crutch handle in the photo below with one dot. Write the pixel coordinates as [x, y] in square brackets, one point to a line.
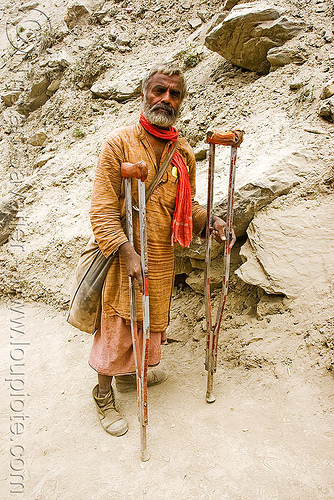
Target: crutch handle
[232, 138]
[137, 170]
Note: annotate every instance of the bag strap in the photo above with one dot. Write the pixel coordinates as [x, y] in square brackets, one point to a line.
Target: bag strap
[160, 173]
[157, 178]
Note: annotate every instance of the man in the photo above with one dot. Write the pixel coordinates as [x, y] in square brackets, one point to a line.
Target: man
[172, 215]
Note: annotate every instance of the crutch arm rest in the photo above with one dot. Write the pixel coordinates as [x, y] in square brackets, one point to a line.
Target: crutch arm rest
[137, 170]
[232, 138]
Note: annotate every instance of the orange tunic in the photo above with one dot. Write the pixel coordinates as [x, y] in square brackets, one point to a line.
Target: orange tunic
[108, 208]
[131, 144]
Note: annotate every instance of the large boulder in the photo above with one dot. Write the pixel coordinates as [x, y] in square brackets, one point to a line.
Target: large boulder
[120, 88]
[290, 247]
[278, 179]
[245, 36]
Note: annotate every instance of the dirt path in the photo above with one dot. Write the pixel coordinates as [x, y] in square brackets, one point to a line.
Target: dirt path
[268, 435]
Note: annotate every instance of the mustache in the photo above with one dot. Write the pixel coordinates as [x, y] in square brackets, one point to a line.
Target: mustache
[166, 107]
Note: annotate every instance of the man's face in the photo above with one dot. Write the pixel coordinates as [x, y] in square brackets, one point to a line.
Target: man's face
[162, 100]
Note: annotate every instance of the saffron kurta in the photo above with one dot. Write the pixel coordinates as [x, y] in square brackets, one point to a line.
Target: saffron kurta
[130, 144]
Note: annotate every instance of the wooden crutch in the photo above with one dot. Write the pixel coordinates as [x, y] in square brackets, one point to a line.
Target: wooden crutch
[139, 171]
[233, 139]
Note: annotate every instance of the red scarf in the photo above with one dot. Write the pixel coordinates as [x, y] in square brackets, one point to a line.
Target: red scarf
[182, 219]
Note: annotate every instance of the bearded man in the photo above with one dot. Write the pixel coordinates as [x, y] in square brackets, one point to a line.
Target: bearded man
[172, 215]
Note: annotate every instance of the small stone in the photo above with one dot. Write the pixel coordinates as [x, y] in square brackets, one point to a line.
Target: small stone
[186, 5]
[10, 98]
[124, 49]
[28, 6]
[327, 91]
[123, 40]
[201, 153]
[38, 139]
[198, 333]
[99, 16]
[325, 110]
[112, 35]
[61, 60]
[297, 84]
[53, 87]
[44, 159]
[108, 46]
[280, 56]
[203, 15]
[328, 36]
[77, 14]
[195, 23]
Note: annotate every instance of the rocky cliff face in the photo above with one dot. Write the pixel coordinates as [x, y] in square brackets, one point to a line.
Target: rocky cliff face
[71, 71]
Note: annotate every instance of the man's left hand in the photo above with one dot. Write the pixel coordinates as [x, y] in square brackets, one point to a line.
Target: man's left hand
[219, 231]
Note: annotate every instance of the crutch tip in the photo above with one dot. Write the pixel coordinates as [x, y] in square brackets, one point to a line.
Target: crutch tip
[210, 397]
[145, 456]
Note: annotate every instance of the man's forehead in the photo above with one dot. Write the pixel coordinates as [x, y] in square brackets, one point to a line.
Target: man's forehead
[166, 80]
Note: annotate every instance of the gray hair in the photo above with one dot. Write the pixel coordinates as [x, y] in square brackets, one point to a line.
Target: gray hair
[168, 69]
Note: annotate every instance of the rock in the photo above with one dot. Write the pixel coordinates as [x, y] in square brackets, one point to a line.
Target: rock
[327, 91]
[196, 281]
[328, 36]
[121, 88]
[61, 60]
[123, 39]
[108, 45]
[229, 4]
[42, 160]
[196, 278]
[195, 23]
[100, 15]
[203, 15]
[280, 56]
[53, 87]
[35, 98]
[9, 208]
[248, 32]
[253, 196]
[250, 198]
[186, 5]
[290, 248]
[269, 304]
[77, 14]
[201, 153]
[297, 84]
[28, 6]
[183, 266]
[326, 110]
[197, 263]
[38, 139]
[197, 249]
[123, 49]
[10, 98]
[198, 333]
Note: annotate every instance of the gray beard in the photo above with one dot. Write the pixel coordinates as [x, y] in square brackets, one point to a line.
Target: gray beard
[157, 117]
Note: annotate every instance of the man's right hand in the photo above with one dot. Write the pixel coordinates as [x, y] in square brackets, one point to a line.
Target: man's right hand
[132, 262]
